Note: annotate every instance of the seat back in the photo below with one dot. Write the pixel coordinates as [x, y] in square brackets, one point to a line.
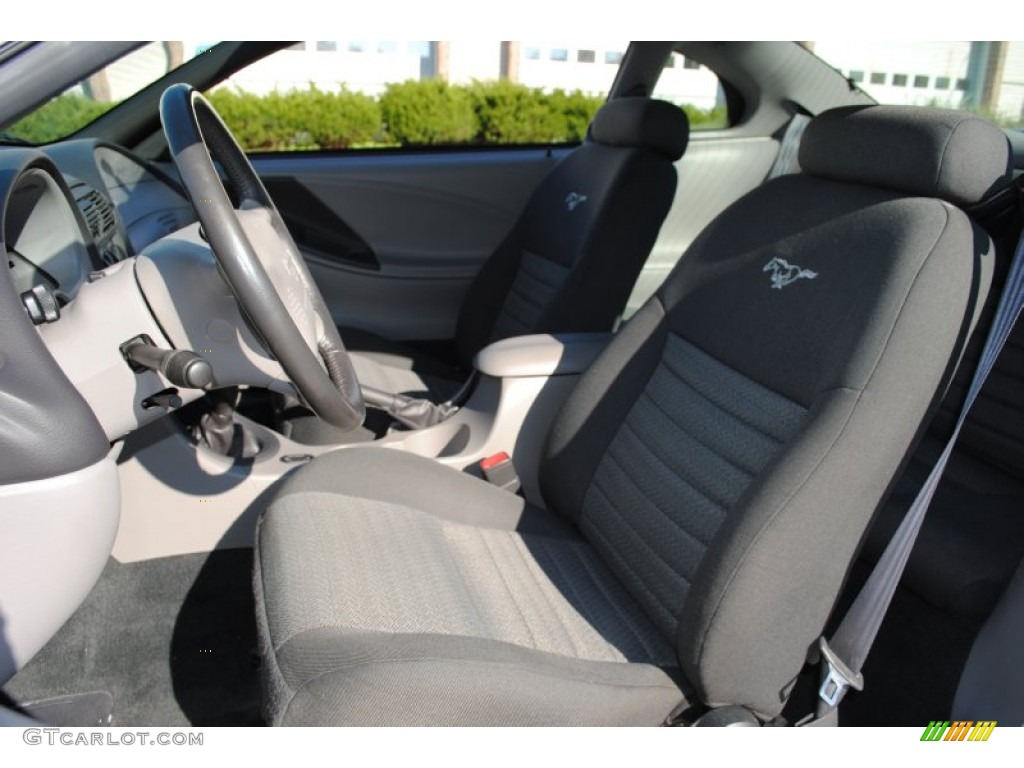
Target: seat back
[728, 450]
[572, 257]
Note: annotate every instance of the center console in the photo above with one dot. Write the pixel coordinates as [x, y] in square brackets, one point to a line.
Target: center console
[182, 497]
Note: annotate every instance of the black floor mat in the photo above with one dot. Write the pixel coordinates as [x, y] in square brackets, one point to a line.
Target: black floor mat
[911, 674]
[173, 641]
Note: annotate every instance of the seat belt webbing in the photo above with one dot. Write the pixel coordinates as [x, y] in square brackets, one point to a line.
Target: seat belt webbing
[787, 161]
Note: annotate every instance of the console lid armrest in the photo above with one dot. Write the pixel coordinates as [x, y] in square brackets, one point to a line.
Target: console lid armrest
[541, 355]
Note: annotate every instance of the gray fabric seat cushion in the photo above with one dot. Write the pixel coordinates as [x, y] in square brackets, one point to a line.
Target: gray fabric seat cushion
[443, 599]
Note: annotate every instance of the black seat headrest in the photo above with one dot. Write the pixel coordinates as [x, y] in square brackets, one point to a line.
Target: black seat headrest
[940, 153]
[636, 121]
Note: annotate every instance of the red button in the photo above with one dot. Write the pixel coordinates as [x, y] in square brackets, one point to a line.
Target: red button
[492, 461]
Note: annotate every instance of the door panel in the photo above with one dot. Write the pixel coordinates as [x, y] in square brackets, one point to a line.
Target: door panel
[393, 240]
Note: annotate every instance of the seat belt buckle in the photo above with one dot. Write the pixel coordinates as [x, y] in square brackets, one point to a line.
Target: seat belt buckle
[499, 470]
[836, 677]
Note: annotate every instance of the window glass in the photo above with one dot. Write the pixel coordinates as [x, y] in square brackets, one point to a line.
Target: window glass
[982, 77]
[83, 102]
[392, 94]
[696, 89]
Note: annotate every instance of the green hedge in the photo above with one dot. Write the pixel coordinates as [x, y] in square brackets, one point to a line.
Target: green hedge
[412, 113]
[420, 112]
[310, 119]
[60, 117]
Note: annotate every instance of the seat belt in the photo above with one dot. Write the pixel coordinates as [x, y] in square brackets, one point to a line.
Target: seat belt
[843, 656]
[787, 161]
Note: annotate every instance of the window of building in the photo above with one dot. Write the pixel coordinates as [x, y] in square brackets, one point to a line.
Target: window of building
[327, 46]
[690, 63]
[586, 56]
[979, 77]
[857, 75]
[532, 53]
[559, 54]
[613, 57]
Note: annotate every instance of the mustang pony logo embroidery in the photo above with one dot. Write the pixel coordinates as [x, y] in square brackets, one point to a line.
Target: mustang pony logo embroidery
[784, 273]
[573, 199]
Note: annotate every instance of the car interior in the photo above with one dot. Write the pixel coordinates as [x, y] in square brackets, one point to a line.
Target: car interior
[600, 434]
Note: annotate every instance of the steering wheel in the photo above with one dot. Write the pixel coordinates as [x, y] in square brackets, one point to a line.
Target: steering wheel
[259, 260]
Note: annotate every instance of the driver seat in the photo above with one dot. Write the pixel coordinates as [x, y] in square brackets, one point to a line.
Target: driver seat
[707, 483]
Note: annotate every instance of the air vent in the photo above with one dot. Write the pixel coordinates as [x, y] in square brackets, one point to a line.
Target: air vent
[168, 221]
[98, 212]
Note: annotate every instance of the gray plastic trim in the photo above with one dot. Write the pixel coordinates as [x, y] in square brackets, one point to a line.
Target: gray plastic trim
[180, 498]
[541, 355]
[46, 428]
[86, 343]
[57, 536]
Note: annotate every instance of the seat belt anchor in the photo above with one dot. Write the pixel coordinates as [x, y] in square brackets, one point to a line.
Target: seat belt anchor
[836, 677]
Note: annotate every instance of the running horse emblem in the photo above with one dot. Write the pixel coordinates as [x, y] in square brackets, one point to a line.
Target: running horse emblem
[784, 273]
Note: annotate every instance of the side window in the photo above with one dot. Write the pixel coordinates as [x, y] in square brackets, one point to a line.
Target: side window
[982, 77]
[696, 89]
[367, 94]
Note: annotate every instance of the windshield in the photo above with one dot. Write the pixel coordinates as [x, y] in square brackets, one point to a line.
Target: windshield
[86, 100]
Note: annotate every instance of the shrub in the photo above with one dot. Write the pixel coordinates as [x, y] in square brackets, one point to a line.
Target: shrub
[60, 117]
[706, 119]
[308, 119]
[428, 112]
[511, 113]
[578, 110]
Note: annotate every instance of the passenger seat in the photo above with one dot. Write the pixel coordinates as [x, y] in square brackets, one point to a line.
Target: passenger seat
[572, 257]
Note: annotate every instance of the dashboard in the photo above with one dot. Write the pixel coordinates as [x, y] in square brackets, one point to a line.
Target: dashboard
[115, 205]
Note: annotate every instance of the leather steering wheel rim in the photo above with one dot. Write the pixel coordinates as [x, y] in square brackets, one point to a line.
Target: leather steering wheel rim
[271, 283]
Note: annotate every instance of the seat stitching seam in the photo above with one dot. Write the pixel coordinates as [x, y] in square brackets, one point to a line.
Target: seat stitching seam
[719, 406]
[508, 589]
[702, 546]
[627, 620]
[554, 611]
[749, 474]
[721, 506]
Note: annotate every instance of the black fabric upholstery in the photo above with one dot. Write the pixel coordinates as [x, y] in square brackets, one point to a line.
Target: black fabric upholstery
[644, 123]
[567, 266]
[864, 346]
[571, 259]
[935, 153]
[715, 469]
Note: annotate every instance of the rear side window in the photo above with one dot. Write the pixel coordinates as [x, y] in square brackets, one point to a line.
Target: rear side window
[367, 94]
[981, 77]
[696, 89]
